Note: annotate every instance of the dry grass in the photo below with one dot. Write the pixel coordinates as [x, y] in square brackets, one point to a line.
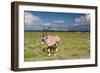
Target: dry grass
[73, 45]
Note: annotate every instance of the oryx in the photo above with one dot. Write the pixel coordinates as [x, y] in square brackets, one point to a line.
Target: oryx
[51, 41]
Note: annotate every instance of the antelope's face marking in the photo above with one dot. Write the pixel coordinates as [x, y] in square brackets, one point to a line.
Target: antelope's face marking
[43, 38]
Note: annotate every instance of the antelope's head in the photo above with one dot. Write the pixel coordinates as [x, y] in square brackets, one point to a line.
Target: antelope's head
[43, 37]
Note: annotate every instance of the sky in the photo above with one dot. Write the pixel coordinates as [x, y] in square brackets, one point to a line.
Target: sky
[36, 20]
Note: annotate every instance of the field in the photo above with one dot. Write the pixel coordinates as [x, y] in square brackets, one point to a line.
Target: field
[73, 45]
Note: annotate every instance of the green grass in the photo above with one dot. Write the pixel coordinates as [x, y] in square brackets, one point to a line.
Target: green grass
[73, 45]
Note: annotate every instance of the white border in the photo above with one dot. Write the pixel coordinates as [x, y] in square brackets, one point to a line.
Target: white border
[23, 64]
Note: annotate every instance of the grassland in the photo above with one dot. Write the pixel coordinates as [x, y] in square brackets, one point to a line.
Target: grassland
[73, 45]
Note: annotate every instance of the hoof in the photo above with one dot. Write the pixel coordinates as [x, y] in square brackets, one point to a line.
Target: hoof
[49, 54]
[55, 54]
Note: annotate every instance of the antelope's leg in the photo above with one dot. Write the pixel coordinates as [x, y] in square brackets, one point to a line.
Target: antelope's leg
[55, 49]
[49, 51]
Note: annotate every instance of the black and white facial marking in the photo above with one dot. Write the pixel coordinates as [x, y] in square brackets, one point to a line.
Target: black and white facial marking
[43, 38]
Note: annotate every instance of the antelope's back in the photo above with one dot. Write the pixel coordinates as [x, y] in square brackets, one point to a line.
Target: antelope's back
[52, 40]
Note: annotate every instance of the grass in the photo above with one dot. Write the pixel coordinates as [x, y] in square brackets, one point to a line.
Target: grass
[73, 45]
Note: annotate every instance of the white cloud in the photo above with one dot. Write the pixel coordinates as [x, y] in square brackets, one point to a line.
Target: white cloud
[59, 21]
[47, 24]
[53, 23]
[31, 19]
[83, 20]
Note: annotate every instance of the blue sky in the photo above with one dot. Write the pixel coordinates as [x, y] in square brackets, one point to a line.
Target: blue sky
[35, 20]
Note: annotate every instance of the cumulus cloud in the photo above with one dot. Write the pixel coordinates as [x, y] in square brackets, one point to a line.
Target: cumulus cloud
[31, 19]
[47, 24]
[56, 22]
[59, 21]
[83, 20]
